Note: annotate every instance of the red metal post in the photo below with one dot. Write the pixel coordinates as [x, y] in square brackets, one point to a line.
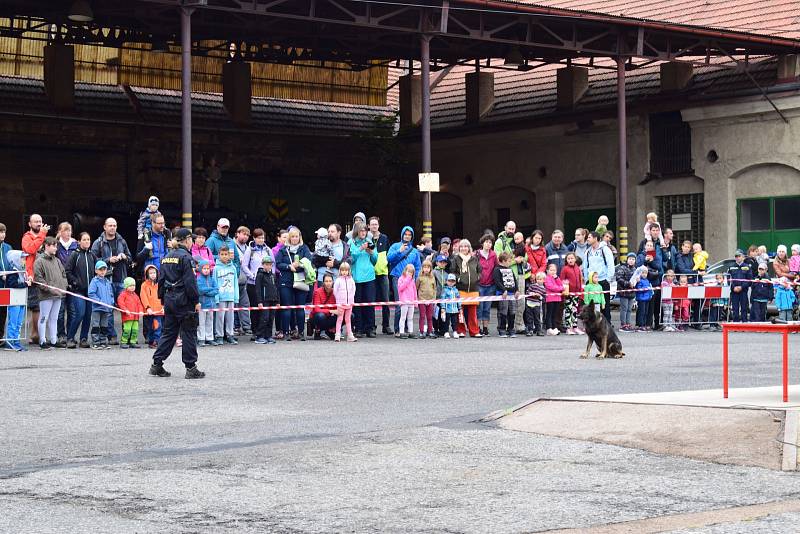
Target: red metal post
[622, 211]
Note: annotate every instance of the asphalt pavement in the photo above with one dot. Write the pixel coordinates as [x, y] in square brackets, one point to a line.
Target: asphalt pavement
[373, 436]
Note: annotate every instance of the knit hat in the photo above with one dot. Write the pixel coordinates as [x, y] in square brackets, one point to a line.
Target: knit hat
[781, 248]
[451, 276]
[129, 282]
[631, 255]
[100, 264]
[322, 232]
[153, 200]
[795, 248]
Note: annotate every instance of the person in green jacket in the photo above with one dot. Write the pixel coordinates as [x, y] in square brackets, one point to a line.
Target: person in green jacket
[592, 293]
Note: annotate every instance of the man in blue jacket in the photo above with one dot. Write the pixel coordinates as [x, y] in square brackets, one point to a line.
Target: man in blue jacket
[650, 257]
[220, 237]
[600, 260]
[401, 254]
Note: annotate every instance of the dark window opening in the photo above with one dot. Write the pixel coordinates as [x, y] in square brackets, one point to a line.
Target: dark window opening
[670, 145]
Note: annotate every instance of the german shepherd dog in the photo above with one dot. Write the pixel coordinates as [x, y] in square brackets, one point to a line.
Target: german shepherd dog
[600, 332]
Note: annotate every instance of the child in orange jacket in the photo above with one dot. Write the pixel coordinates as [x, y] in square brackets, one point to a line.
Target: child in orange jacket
[152, 305]
[129, 301]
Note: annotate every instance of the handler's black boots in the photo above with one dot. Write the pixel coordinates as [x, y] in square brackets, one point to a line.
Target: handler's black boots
[157, 369]
[193, 372]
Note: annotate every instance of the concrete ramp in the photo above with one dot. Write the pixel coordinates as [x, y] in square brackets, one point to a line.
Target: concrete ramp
[751, 428]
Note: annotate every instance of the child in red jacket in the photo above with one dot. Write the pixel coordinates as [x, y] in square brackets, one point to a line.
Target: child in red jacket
[129, 301]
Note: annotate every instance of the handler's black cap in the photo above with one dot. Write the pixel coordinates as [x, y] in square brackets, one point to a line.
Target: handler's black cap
[182, 234]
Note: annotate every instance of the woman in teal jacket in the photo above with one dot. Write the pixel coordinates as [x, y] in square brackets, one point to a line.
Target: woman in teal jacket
[363, 258]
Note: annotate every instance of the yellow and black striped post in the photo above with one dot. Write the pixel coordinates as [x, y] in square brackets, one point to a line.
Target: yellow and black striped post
[427, 229]
[186, 220]
[623, 242]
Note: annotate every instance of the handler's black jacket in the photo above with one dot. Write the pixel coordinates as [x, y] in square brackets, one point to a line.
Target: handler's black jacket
[177, 284]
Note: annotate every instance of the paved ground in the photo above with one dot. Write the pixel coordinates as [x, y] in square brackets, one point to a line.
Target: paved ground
[372, 436]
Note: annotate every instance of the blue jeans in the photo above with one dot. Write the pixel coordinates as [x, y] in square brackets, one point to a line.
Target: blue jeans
[119, 287]
[364, 316]
[383, 292]
[293, 297]
[485, 308]
[80, 314]
[625, 305]
[15, 317]
[393, 280]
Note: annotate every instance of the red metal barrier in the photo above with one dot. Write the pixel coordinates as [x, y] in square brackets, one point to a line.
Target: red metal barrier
[784, 329]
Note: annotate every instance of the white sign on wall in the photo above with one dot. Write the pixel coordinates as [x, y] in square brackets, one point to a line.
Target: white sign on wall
[429, 181]
[681, 222]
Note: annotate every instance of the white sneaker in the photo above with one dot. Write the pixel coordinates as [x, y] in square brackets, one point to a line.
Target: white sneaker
[556, 331]
[457, 335]
[571, 332]
[447, 335]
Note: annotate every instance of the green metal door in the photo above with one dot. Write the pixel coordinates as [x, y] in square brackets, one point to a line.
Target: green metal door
[587, 218]
[768, 221]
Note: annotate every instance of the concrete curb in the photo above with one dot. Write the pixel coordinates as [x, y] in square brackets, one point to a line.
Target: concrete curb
[790, 440]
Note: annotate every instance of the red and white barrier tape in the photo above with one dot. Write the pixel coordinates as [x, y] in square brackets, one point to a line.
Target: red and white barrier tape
[462, 300]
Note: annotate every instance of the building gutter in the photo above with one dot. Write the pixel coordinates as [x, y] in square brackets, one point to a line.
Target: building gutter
[789, 44]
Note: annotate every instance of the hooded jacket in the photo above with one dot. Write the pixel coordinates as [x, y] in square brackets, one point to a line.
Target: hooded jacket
[202, 253]
[349, 235]
[153, 256]
[129, 301]
[580, 250]
[215, 242]
[100, 289]
[207, 288]
[487, 267]
[344, 290]
[555, 255]
[762, 289]
[266, 288]
[80, 270]
[49, 270]
[362, 261]
[406, 289]
[227, 282]
[251, 262]
[149, 291]
[63, 252]
[537, 259]
[284, 260]
[466, 279]
[5, 263]
[599, 260]
[784, 298]
[426, 287]
[398, 260]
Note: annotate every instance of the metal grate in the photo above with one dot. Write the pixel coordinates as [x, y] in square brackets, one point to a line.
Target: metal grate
[670, 145]
[670, 205]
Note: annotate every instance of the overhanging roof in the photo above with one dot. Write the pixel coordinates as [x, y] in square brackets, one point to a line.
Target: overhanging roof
[359, 31]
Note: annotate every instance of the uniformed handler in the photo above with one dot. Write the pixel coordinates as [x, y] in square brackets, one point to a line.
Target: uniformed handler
[177, 289]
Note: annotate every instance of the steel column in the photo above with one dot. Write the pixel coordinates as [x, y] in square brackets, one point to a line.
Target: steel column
[425, 126]
[622, 210]
[186, 117]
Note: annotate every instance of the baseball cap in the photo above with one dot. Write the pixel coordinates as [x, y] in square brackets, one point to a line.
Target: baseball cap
[762, 266]
[266, 259]
[182, 234]
[445, 240]
[441, 257]
[739, 252]
[129, 282]
[631, 255]
[451, 276]
[322, 232]
[224, 222]
[152, 200]
[100, 264]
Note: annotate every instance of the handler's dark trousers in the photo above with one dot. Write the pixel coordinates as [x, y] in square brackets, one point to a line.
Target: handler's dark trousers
[182, 323]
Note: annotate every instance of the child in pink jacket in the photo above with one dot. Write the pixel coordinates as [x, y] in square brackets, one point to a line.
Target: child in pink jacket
[554, 287]
[407, 292]
[344, 289]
